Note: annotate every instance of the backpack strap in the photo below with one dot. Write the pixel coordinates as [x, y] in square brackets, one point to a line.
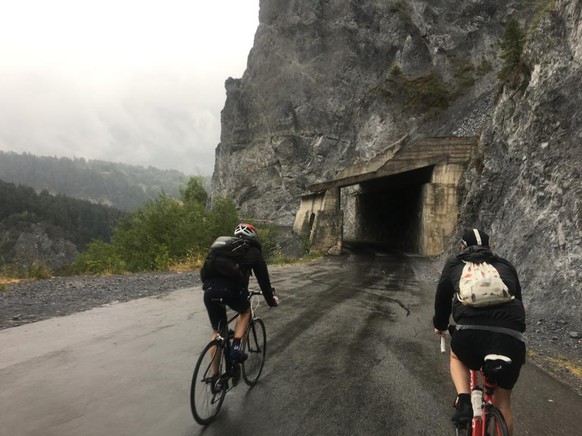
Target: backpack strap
[517, 335]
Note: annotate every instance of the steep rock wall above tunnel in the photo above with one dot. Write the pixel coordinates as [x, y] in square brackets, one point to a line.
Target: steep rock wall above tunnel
[322, 92]
[331, 83]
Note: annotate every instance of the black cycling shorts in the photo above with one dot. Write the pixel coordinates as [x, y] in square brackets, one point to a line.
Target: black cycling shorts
[216, 296]
[471, 347]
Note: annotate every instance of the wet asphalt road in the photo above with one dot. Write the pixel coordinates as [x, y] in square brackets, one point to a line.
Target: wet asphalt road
[350, 352]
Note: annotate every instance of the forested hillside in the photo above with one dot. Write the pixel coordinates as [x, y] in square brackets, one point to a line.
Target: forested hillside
[124, 187]
[47, 228]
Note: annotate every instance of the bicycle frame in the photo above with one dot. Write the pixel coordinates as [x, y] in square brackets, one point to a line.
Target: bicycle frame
[255, 302]
[488, 389]
[226, 339]
[477, 422]
[215, 374]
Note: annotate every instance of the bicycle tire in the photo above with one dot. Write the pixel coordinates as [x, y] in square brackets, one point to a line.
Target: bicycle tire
[255, 345]
[207, 394]
[465, 431]
[495, 424]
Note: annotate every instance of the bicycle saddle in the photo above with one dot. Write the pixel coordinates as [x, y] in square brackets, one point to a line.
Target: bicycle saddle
[495, 364]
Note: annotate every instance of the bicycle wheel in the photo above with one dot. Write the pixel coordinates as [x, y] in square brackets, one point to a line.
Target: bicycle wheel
[495, 423]
[208, 390]
[464, 431]
[255, 345]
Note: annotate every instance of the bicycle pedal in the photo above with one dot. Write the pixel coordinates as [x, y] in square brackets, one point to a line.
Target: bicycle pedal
[216, 386]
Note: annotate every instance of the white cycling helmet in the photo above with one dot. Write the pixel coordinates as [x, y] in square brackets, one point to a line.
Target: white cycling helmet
[245, 230]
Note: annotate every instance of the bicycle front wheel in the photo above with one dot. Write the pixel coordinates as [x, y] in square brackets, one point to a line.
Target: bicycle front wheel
[208, 384]
[255, 343]
[495, 424]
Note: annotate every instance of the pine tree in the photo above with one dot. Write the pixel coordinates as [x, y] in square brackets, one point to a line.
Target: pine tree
[511, 50]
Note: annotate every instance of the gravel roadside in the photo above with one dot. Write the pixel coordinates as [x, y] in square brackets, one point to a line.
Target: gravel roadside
[554, 344]
[35, 300]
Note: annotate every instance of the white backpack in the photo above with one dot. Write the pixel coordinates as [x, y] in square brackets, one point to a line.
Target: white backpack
[481, 286]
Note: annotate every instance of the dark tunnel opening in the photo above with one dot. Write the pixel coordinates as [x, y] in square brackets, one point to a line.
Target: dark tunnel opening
[388, 210]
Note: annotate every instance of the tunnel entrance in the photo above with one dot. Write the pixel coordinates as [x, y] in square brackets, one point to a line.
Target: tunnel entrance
[405, 197]
[387, 210]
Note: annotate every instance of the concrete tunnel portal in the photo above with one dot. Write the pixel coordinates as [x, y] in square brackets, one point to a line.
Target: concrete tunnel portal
[405, 197]
[386, 210]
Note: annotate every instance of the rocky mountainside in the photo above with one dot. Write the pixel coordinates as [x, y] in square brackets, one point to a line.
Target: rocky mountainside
[530, 188]
[329, 84]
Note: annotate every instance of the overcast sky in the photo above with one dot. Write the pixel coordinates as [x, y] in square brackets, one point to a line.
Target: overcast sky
[133, 81]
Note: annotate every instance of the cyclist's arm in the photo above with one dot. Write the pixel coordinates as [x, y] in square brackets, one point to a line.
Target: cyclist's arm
[442, 303]
[261, 272]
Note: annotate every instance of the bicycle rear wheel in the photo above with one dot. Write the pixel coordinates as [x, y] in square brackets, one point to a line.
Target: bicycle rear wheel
[208, 388]
[255, 345]
[466, 431]
[495, 424]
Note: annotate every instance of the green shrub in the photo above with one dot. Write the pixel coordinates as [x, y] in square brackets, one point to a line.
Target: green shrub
[305, 244]
[27, 269]
[164, 233]
[99, 258]
[544, 7]
[268, 238]
[511, 50]
[426, 94]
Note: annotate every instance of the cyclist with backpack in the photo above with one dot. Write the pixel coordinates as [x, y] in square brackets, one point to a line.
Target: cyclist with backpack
[225, 280]
[483, 293]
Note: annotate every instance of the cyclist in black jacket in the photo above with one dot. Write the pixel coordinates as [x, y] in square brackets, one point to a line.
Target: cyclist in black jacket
[220, 290]
[480, 331]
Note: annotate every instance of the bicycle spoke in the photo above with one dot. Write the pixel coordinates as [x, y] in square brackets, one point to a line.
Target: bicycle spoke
[255, 341]
[207, 391]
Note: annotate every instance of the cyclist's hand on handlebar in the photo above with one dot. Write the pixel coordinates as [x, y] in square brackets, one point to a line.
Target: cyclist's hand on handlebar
[275, 298]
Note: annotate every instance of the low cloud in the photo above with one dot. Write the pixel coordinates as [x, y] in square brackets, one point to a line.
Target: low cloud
[162, 120]
[137, 83]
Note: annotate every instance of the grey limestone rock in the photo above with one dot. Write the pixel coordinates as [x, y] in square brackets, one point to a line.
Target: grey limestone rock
[329, 84]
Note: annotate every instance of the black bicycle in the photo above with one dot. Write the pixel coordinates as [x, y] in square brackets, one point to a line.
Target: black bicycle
[215, 374]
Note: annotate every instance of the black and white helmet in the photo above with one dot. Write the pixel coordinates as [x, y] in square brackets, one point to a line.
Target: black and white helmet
[246, 230]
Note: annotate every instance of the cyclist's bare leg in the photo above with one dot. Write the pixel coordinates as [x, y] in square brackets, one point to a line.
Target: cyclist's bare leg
[241, 324]
[460, 375]
[502, 400]
[215, 362]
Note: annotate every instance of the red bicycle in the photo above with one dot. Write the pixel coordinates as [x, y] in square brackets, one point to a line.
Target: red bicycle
[487, 419]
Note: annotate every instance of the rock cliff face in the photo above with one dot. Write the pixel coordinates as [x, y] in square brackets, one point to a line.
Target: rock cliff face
[322, 90]
[529, 192]
[41, 245]
[331, 83]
